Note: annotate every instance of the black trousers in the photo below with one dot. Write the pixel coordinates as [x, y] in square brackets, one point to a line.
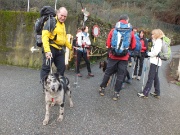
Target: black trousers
[115, 65]
[152, 77]
[83, 55]
[58, 58]
[139, 63]
[126, 75]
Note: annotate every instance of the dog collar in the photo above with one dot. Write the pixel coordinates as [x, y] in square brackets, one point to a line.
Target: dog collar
[52, 99]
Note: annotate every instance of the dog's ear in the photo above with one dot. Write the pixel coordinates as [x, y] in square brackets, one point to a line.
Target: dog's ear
[60, 87]
[67, 81]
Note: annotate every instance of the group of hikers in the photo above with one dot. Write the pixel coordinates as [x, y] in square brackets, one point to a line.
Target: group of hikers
[54, 40]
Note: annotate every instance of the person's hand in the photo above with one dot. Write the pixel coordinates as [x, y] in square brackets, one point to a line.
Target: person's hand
[75, 47]
[48, 55]
[146, 54]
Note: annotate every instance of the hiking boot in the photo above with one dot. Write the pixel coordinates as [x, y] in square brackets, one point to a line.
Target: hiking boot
[129, 81]
[139, 78]
[90, 74]
[101, 91]
[116, 96]
[79, 75]
[130, 64]
[134, 77]
[141, 95]
[154, 95]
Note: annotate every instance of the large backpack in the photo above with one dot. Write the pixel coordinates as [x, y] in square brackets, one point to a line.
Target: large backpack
[46, 13]
[165, 53]
[121, 39]
[137, 51]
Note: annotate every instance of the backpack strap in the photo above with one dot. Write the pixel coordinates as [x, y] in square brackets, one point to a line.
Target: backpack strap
[50, 24]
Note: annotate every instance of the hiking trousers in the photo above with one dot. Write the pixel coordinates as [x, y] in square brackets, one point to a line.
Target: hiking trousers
[115, 65]
[83, 55]
[126, 75]
[139, 63]
[58, 58]
[152, 76]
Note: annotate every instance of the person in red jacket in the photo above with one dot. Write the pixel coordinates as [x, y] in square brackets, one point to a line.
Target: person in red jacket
[140, 59]
[116, 63]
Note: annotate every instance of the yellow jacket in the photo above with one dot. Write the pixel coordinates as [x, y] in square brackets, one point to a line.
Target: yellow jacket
[58, 36]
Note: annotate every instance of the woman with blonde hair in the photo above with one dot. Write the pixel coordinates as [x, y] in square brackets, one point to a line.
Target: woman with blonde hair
[156, 62]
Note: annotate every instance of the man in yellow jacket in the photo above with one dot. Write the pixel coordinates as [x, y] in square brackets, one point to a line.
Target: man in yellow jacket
[54, 40]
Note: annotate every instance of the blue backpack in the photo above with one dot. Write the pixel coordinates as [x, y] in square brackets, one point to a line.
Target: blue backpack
[121, 39]
[137, 50]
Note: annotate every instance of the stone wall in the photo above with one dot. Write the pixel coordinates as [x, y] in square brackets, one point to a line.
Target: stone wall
[17, 36]
[175, 66]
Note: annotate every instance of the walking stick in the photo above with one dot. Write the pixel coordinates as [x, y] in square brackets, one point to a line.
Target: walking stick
[76, 77]
[134, 66]
[113, 81]
[145, 69]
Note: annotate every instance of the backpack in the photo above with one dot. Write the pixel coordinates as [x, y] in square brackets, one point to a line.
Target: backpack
[165, 53]
[137, 51]
[46, 13]
[121, 39]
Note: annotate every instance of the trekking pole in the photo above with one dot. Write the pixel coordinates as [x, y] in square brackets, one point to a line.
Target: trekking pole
[134, 66]
[145, 68]
[113, 80]
[110, 85]
[76, 77]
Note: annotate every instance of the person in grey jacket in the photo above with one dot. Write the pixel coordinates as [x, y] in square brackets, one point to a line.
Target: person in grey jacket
[156, 62]
[83, 43]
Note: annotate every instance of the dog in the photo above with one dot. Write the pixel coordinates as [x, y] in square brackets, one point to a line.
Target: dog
[56, 87]
[103, 65]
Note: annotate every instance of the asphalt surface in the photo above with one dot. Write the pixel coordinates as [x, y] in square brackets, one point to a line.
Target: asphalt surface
[22, 106]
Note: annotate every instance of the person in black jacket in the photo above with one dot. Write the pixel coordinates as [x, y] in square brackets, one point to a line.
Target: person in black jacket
[140, 59]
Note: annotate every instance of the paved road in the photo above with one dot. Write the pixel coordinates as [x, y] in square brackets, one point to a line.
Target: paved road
[22, 107]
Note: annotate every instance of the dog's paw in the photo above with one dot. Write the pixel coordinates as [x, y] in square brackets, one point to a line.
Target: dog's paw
[60, 118]
[45, 122]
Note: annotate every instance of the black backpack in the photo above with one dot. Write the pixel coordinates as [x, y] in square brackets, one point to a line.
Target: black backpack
[47, 13]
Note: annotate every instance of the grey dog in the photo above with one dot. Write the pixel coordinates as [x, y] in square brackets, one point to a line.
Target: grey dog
[56, 87]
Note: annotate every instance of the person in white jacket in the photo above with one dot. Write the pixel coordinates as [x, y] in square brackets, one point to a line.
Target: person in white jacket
[156, 62]
[83, 43]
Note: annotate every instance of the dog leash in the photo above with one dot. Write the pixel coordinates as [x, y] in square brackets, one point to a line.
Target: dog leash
[48, 62]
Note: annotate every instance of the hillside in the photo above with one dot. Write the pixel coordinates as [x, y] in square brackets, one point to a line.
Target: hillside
[164, 10]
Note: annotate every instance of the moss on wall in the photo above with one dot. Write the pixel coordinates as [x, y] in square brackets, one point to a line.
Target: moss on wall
[17, 36]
